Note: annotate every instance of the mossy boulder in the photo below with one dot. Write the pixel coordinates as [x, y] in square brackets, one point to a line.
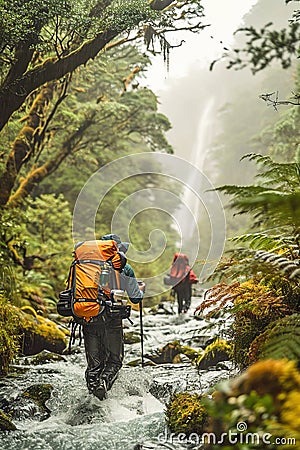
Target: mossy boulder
[40, 333]
[5, 423]
[39, 394]
[24, 332]
[44, 357]
[131, 337]
[171, 352]
[186, 413]
[217, 351]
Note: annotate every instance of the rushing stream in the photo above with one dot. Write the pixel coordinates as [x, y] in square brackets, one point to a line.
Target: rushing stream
[132, 417]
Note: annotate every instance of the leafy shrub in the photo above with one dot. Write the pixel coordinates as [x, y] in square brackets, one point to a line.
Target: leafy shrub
[283, 339]
[264, 399]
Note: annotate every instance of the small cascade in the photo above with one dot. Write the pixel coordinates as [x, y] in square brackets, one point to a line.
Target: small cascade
[197, 158]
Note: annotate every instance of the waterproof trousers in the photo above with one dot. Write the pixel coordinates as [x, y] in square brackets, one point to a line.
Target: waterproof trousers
[184, 294]
[104, 349]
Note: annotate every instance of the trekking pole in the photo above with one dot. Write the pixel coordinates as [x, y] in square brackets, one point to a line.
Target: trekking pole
[141, 331]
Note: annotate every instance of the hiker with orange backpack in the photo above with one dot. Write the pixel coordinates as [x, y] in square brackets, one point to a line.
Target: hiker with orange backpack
[97, 276]
[182, 277]
[104, 340]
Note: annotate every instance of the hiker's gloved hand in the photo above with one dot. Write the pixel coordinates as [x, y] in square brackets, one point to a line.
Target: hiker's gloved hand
[142, 286]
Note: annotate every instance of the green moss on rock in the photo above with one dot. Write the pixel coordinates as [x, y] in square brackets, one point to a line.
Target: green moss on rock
[186, 413]
[40, 334]
[9, 334]
[131, 337]
[219, 350]
[171, 352]
[5, 423]
[39, 394]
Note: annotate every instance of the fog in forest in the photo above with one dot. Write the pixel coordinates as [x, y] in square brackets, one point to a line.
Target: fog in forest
[216, 115]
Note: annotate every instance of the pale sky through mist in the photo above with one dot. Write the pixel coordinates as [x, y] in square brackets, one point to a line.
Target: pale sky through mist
[225, 16]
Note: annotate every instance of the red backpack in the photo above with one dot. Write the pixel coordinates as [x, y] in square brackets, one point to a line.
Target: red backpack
[179, 270]
[180, 267]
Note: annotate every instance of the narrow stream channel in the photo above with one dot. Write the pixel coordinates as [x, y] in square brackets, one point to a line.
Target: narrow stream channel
[132, 417]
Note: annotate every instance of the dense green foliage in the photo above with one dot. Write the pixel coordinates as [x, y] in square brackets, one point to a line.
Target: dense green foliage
[260, 402]
[262, 268]
[73, 114]
[283, 340]
[259, 287]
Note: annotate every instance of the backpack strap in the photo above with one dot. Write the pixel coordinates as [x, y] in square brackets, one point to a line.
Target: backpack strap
[74, 325]
[90, 261]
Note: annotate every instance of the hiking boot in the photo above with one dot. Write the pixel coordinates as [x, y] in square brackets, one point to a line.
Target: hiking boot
[92, 377]
[110, 375]
[92, 382]
[101, 390]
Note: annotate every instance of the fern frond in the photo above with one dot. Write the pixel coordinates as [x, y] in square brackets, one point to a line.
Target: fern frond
[264, 160]
[261, 241]
[241, 191]
[272, 206]
[289, 268]
[283, 341]
[216, 298]
[284, 175]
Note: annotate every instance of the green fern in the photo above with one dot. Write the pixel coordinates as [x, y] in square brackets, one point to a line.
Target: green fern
[283, 175]
[283, 341]
[262, 241]
[288, 267]
[275, 200]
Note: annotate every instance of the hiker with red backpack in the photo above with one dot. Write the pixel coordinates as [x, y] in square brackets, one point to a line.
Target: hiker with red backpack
[181, 278]
[98, 276]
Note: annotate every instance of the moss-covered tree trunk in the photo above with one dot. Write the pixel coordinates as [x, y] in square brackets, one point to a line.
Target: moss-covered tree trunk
[12, 95]
[37, 174]
[23, 146]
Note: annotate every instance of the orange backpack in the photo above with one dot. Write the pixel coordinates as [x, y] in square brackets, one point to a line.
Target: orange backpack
[93, 274]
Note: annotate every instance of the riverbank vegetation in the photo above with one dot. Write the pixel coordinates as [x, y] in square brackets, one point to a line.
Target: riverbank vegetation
[256, 287]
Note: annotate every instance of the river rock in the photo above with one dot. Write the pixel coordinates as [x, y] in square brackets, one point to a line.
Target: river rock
[39, 394]
[44, 357]
[210, 359]
[5, 423]
[131, 337]
[166, 354]
[29, 404]
[40, 333]
[163, 308]
[174, 353]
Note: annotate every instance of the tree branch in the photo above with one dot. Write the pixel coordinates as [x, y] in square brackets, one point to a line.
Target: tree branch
[272, 100]
[13, 94]
[23, 146]
[37, 174]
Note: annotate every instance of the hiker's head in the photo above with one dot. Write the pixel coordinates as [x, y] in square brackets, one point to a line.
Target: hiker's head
[122, 246]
